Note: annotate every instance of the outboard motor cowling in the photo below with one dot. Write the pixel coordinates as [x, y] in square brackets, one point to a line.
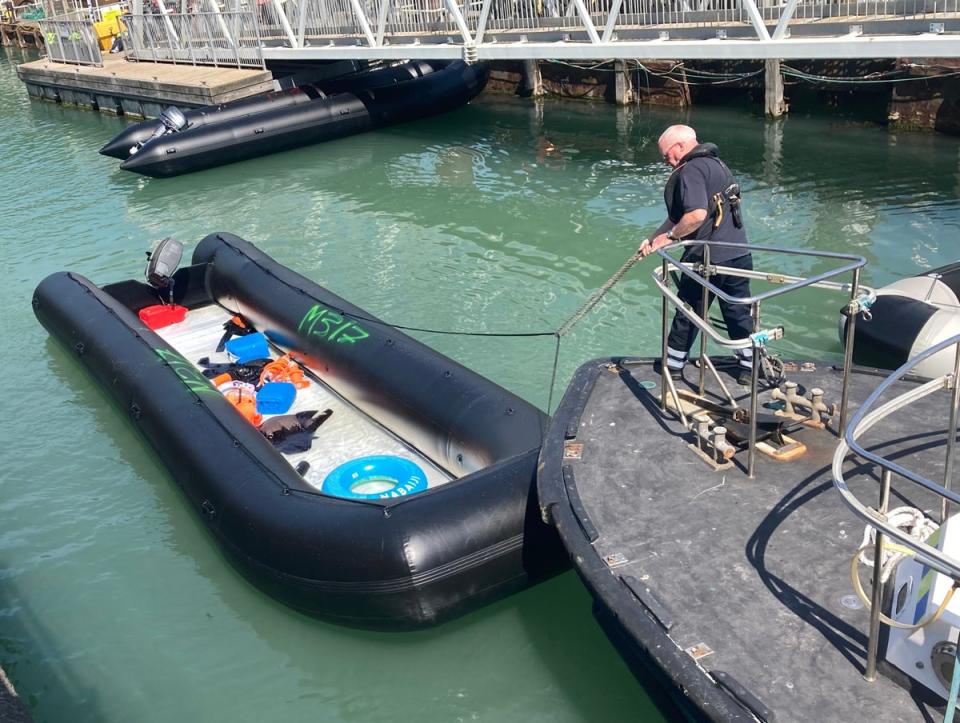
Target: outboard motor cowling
[172, 120]
[162, 262]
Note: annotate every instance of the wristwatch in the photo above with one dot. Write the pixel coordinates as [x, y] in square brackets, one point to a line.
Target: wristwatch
[671, 236]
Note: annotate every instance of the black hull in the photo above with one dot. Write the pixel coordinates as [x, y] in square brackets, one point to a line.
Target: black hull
[302, 124]
[636, 633]
[385, 564]
[719, 587]
[119, 146]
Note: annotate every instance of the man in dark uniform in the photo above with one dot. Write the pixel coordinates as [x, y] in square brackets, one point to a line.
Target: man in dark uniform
[702, 200]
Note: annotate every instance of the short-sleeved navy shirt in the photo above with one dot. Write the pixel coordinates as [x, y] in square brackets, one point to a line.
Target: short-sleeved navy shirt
[697, 179]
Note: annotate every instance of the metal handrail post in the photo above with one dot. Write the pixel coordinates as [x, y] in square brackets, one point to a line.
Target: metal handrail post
[952, 439]
[165, 14]
[663, 344]
[223, 26]
[587, 21]
[361, 19]
[302, 24]
[874, 638]
[284, 23]
[458, 19]
[482, 22]
[704, 299]
[213, 47]
[611, 21]
[754, 379]
[848, 349]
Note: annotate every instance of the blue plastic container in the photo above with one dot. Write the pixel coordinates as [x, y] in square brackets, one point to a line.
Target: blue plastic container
[276, 397]
[247, 348]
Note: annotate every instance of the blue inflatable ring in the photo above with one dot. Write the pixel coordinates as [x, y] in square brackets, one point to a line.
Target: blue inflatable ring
[407, 477]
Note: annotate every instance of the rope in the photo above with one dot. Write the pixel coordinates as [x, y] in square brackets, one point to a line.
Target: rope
[597, 296]
[858, 589]
[560, 332]
[909, 519]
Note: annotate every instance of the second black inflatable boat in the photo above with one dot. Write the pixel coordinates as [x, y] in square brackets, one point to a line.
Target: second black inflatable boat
[207, 137]
[412, 503]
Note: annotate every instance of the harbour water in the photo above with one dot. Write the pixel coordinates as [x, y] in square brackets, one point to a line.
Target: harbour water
[504, 216]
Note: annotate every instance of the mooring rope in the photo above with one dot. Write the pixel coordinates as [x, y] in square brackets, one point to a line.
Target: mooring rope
[597, 295]
[558, 334]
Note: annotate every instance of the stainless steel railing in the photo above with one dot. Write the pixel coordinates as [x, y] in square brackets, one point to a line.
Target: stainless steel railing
[71, 40]
[376, 23]
[861, 298]
[207, 38]
[867, 417]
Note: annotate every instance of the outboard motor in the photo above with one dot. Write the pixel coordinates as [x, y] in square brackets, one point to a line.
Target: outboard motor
[172, 120]
[162, 262]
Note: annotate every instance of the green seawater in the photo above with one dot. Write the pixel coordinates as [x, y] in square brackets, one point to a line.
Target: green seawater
[115, 605]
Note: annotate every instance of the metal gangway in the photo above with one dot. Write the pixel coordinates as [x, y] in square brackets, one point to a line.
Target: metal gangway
[480, 30]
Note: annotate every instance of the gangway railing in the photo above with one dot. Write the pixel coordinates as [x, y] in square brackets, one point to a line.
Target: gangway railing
[592, 29]
[867, 417]
[701, 270]
[202, 38]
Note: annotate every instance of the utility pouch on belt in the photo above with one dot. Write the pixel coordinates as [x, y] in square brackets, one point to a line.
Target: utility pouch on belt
[732, 195]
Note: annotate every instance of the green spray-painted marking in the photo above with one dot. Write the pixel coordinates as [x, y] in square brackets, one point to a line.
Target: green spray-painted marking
[191, 378]
[328, 325]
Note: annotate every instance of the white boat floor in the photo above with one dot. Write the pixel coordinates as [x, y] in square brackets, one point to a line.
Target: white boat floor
[348, 434]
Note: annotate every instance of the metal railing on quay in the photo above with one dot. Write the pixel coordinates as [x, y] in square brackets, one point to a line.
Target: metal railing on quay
[229, 39]
[71, 40]
[867, 417]
[376, 23]
[700, 270]
[300, 23]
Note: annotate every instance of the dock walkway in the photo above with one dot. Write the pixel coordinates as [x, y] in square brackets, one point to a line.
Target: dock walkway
[140, 89]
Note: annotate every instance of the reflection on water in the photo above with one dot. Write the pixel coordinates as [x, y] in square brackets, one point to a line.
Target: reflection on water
[500, 217]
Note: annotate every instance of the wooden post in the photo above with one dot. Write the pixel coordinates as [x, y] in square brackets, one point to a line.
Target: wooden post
[623, 88]
[532, 80]
[774, 105]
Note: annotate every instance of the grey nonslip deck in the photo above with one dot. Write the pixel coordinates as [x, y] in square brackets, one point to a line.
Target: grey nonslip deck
[753, 572]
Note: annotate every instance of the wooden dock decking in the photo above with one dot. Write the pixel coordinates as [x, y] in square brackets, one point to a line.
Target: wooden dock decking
[139, 89]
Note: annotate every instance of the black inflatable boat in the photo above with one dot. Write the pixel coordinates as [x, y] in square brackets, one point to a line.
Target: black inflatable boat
[121, 144]
[181, 142]
[412, 503]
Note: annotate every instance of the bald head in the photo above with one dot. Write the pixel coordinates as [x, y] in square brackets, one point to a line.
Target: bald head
[675, 142]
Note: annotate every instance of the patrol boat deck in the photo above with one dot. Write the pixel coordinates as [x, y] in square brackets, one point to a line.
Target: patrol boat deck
[721, 562]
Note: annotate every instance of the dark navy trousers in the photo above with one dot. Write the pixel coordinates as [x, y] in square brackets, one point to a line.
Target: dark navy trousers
[736, 316]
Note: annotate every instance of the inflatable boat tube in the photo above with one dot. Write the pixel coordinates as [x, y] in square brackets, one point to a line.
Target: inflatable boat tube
[301, 124]
[473, 536]
[909, 316]
[120, 145]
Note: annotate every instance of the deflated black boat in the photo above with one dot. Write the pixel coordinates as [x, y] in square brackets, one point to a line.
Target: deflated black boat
[179, 143]
[408, 496]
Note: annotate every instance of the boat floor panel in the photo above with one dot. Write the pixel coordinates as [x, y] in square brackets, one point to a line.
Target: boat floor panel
[757, 569]
[348, 434]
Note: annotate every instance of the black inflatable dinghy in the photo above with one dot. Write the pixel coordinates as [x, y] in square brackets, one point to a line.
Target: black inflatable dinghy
[409, 497]
[121, 145]
[184, 142]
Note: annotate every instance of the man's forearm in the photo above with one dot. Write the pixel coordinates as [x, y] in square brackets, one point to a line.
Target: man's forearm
[689, 222]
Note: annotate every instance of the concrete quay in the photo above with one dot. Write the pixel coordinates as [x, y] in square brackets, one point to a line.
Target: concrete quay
[140, 90]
